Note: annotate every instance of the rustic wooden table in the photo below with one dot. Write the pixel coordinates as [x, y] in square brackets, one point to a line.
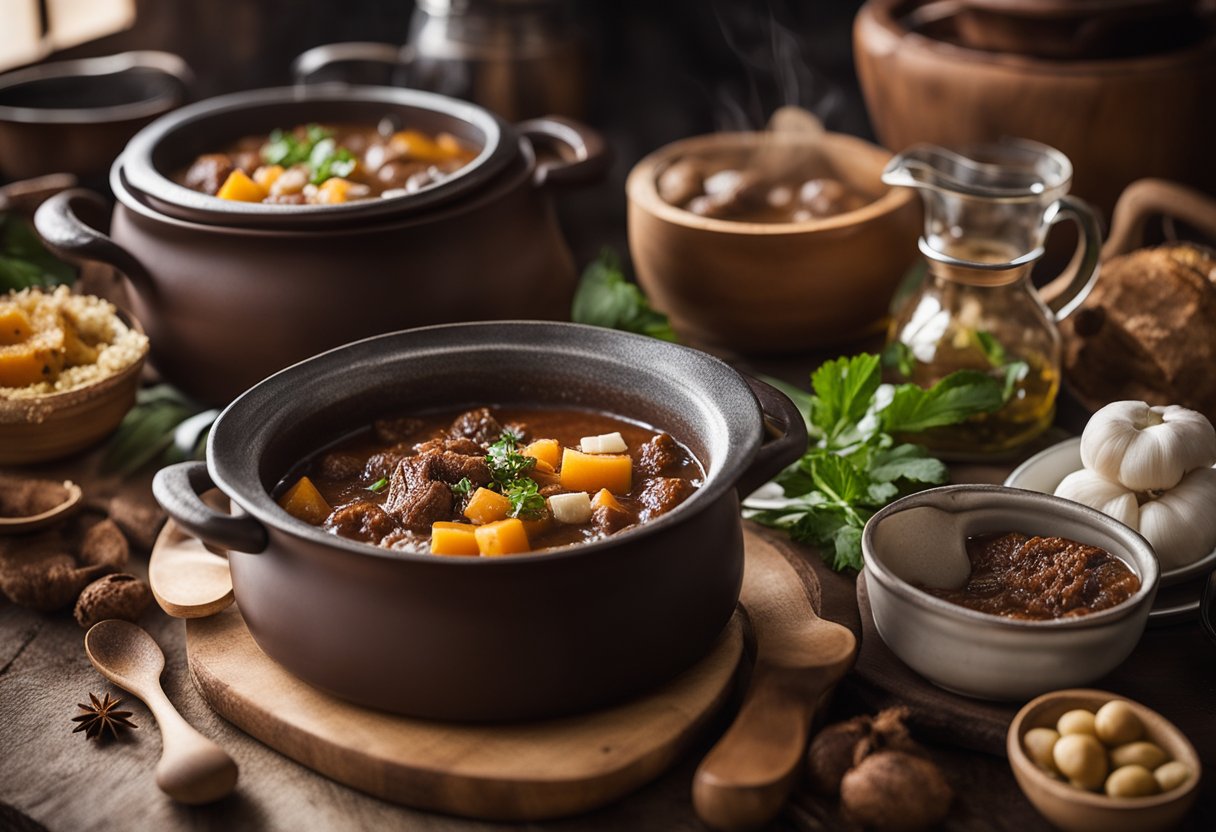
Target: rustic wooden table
[53, 779]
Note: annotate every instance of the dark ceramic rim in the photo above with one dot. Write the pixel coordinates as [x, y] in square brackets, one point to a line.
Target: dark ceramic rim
[509, 179]
[147, 181]
[1145, 563]
[131, 111]
[241, 431]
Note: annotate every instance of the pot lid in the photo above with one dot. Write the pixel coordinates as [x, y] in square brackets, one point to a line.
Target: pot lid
[168, 145]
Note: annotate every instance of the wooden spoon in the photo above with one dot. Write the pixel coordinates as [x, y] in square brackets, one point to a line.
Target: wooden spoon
[192, 769]
[34, 522]
[746, 777]
[187, 579]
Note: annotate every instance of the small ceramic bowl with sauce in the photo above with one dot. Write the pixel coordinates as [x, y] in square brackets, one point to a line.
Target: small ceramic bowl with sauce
[916, 548]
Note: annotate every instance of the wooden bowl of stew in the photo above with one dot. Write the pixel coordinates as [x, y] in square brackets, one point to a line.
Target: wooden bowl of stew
[358, 604]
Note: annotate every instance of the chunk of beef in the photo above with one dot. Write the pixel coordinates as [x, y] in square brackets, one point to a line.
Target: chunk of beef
[383, 464]
[443, 443]
[364, 521]
[417, 508]
[661, 494]
[395, 431]
[608, 520]
[208, 172]
[340, 466]
[660, 454]
[412, 494]
[478, 425]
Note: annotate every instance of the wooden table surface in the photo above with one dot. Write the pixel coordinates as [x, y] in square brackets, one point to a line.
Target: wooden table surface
[53, 779]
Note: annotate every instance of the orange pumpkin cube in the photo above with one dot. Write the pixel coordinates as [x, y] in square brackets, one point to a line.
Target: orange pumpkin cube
[15, 326]
[504, 537]
[486, 506]
[238, 186]
[304, 502]
[544, 450]
[453, 539]
[592, 472]
[603, 498]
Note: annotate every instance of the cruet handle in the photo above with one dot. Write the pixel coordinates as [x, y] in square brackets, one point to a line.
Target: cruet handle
[1068, 291]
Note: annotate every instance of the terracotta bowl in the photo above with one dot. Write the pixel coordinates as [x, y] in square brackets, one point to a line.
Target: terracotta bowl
[1076, 810]
[57, 425]
[773, 287]
[920, 87]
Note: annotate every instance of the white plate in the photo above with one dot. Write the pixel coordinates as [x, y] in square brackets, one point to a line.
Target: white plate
[1045, 470]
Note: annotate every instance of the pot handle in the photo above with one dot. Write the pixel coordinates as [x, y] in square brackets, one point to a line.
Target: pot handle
[591, 156]
[312, 61]
[64, 231]
[785, 437]
[1145, 198]
[177, 489]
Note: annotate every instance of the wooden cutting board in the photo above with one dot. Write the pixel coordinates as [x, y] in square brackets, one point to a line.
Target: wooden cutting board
[514, 772]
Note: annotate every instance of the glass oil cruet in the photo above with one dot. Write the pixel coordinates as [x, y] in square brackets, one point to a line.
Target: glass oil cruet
[987, 214]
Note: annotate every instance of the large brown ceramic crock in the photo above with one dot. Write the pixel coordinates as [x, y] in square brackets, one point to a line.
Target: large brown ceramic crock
[231, 292]
[516, 637]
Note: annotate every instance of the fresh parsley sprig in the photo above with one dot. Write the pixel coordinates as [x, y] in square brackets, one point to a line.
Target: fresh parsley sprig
[509, 475]
[605, 298]
[854, 464]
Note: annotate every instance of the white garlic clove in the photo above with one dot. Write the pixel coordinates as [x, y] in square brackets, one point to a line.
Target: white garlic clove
[1181, 523]
[1147, 448]
[1096, 491]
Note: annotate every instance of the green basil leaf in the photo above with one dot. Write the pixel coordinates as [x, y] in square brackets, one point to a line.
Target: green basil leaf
[954, 399]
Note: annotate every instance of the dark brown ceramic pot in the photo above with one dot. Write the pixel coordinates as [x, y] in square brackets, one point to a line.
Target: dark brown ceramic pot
[508, 638]
[230, 292]
[76, 116]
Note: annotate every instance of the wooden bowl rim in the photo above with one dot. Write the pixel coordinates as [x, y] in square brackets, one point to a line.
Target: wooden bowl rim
[642, 188]
[50, 403]
[880, 13]
[1155, 725]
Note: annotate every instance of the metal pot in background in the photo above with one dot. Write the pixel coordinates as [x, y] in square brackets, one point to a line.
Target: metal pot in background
[518, 58]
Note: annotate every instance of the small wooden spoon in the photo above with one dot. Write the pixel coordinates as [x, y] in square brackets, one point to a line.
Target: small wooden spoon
[192, 769]
[187, 579]
[746, 777]
[34, 522]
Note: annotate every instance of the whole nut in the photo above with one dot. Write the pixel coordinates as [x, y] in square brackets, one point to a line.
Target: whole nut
[1082, 759]
[1131, 781]
[1079, 721]
[1138, 753]
[1116, 723]
[118, 595]
[1171, 775]
[1039, 743]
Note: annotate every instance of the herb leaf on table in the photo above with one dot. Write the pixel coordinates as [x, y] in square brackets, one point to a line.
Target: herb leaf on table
[605, 298]
[150, 431]
[854, 465]
[25, 261]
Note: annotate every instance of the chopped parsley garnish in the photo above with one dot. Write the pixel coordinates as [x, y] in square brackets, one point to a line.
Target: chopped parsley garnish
[317, 149]
[526, 501]
[327, 160]
[378, 486]
[506, 463]
[462, 487]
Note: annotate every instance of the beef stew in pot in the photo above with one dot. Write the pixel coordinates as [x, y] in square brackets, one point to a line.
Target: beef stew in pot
[491, 482]
[318, 164]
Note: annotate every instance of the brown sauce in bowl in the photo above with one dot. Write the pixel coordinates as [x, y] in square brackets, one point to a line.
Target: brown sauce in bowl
[1014, 575]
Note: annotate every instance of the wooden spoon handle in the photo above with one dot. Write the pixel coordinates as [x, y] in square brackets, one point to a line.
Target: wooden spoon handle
[745, 778]
[192, 768]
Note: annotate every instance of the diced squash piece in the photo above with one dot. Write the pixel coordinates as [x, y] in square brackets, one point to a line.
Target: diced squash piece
[605, 443]
[15, 326]
[267, 175]
[304, 502]
[453, 539]
[451, 147]
[334, 191]
[544, 450]
[418, 145]
[591, 472]
[504, 537]
[238, 186]
[25, 364]
[604, 499]
[486, 506]
[544, 467]
[572, 509]
[76, 353]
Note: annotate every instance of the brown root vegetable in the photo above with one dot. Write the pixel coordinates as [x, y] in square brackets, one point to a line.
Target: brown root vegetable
[115, 596]
[104, 545]
[894, 791]
[831, 754]
[888, 733]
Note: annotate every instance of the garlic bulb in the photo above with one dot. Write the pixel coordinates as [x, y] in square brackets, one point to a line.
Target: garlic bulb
[1181, 523]
[1096, 491]
[1147, 448]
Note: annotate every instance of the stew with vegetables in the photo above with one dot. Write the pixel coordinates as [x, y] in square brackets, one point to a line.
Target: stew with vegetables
[318, 164]
[491, 482]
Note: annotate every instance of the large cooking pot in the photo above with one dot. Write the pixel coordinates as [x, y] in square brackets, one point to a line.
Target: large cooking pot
[505, 638]
[230, 292]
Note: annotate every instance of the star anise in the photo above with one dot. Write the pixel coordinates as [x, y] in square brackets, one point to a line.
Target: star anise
[101, 717]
